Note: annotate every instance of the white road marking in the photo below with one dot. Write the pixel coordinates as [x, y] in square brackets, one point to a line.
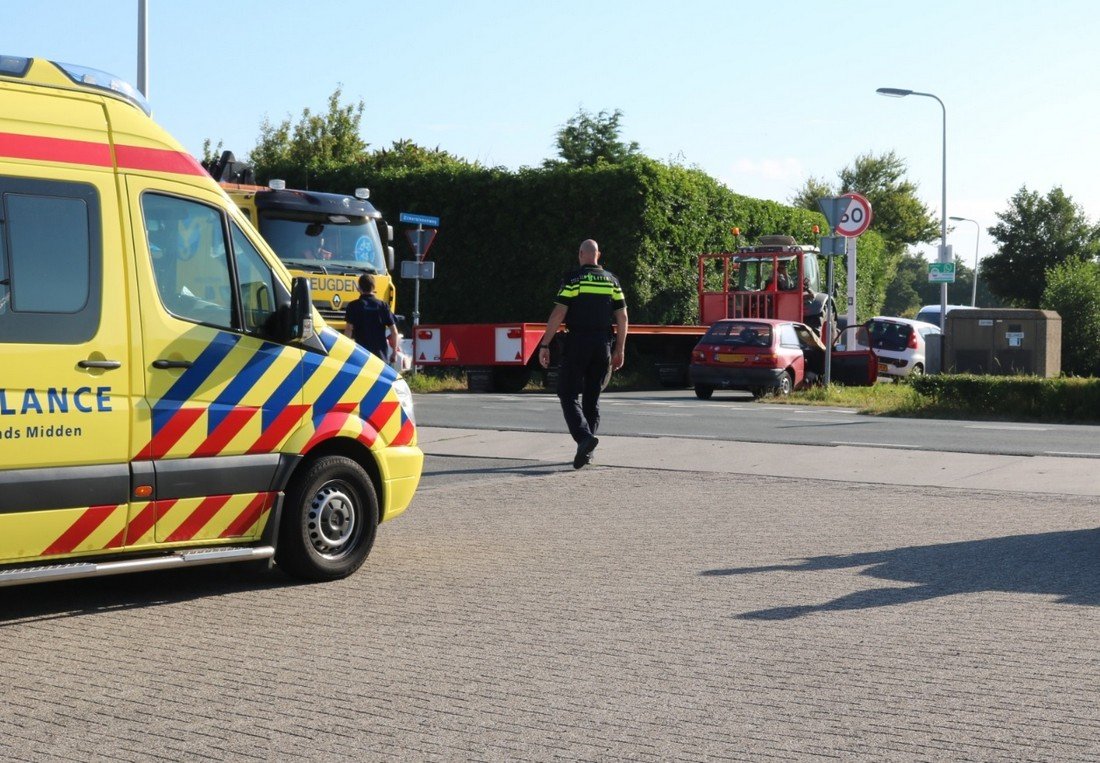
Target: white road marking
[1010, 427]
[871, 444]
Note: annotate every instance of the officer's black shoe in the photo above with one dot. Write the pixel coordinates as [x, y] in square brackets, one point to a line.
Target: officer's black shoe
[584, 452]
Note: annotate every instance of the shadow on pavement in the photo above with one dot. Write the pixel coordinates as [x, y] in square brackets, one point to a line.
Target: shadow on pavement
[72, 598]
[1063, 564]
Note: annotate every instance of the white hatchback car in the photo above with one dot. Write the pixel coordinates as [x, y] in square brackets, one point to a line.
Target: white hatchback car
[899, 343]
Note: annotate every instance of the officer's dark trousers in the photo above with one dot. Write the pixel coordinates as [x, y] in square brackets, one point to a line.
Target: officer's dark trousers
[587, 359]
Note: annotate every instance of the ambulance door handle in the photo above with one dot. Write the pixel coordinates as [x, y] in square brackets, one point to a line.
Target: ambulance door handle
[171, 364]
[100, 363]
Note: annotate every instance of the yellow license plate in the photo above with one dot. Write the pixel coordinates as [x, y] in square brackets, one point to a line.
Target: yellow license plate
[729, 357]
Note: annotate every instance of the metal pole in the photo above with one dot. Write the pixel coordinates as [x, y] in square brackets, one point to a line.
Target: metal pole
[977, 243]
[828, 324]
[143, 48]
[943, 215]
[897, 92]
[416, 297]
[850, 256]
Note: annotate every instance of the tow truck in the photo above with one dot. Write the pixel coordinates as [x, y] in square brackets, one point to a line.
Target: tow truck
[740, 284]
[329, 238]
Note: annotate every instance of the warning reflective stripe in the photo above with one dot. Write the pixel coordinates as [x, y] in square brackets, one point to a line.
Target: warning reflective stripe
[374, 397]
[340, 384]
[167, 437]
[289, 389]
[279, 428]
[158, 160]
[242, 383]
[408, 429]
[381, 415]
[329, 337]
[249, 517]
[54, 150]
[139, 525]
[79, 530]
[198, 518]
[40, 148]
[229, 428]
[185, 387]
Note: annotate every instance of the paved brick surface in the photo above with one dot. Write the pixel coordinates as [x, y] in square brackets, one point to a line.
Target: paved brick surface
[611, 613]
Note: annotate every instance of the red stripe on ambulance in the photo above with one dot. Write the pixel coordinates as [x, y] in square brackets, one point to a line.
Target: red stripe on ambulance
[249, 517]
[54, 150]
[202, 514]
[79, 531]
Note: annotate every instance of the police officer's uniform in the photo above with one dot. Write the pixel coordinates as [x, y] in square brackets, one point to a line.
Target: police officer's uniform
[591, 295]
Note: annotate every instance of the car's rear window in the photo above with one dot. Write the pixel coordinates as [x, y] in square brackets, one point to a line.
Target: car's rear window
[740, 334]
[889, 336]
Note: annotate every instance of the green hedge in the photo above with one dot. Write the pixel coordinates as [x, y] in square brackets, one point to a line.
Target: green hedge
[506, 238]
[1069, 399]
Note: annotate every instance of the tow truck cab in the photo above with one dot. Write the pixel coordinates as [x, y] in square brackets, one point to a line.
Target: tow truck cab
[747, 284]
[329, 238]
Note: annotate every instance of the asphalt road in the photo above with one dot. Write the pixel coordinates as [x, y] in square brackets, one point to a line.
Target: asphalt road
[732, 416]
[682, 599]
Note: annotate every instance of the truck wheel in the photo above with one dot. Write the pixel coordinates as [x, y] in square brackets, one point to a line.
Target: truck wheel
[784, 386]
[703, 392]
[329, 521]
[511, 378]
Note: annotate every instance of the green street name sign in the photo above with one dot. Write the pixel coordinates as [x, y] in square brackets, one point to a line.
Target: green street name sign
[941, 272]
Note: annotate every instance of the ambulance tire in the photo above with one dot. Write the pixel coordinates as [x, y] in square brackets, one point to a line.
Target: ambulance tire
[329, 520]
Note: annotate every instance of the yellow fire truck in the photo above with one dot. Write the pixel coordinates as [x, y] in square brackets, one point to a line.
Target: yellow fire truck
[329, 238]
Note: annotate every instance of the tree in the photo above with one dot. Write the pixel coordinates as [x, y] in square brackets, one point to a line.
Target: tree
[587, 140]
[316, 143]
[404, 154]
[1036, 233]
[1073, 291]
[899, 216]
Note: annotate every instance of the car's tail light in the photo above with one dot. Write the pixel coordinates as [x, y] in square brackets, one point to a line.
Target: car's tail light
[768, 360]
[698, 355]
[912, 339]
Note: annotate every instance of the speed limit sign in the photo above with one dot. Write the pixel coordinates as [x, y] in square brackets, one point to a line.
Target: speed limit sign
[856, 218]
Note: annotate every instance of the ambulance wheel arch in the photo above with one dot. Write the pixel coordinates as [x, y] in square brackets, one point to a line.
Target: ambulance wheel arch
[329, 519]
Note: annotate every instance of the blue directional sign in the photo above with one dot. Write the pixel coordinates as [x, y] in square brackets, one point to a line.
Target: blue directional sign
[409, 217]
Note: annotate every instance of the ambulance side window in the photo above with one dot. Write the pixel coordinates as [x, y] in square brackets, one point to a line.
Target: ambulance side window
[50, 261]
[257, 284]
[187, 246]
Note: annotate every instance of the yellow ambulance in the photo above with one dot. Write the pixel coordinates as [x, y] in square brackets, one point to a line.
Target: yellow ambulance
[168, 395]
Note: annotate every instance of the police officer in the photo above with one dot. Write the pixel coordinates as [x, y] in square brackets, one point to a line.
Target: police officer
[588, 299]
[368, 318]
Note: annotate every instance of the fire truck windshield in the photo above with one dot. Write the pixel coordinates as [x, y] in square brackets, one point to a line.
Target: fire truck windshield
[341, 242]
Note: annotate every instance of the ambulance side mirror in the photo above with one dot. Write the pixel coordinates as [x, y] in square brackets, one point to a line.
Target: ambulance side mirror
[389, 258]
[301, 310]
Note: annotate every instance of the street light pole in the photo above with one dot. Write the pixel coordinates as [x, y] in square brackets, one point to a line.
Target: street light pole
[896, 92]
[977, 236]
[143, 48]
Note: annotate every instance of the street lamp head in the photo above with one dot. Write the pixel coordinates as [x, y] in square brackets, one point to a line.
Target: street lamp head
[961, 219]
[894, 92]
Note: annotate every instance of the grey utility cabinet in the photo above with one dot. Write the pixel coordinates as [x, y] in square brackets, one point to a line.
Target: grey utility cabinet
[1003, 341]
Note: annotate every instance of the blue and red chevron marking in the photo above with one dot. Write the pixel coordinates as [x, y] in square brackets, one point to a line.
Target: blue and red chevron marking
[226, 417]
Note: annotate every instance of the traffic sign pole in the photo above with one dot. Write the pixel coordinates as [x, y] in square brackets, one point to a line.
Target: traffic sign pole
[420, 248]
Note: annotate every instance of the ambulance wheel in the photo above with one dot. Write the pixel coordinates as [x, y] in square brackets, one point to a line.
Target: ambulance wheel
[329, 520]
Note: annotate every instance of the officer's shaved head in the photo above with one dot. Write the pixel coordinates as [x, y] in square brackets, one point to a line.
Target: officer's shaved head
[590, 252]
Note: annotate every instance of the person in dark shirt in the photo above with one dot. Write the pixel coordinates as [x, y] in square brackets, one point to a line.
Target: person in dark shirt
[367, 320]
[588, 301]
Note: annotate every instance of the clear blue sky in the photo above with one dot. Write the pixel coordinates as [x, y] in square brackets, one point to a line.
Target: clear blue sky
[759, 95]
